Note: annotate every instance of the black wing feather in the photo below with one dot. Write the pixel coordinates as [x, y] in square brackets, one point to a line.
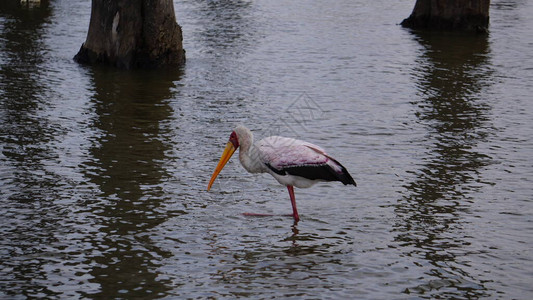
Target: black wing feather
[317, 172]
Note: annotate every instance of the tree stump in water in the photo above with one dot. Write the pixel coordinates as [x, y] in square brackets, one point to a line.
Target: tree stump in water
[465, 15]
[133, 34]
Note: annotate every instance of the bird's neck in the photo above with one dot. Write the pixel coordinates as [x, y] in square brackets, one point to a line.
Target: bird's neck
[249, 157]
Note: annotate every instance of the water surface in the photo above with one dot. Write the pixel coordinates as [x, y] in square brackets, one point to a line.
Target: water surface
[103, 173]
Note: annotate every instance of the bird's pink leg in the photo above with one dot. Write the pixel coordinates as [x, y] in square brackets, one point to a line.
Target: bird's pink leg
[293, 202]
[257, 215]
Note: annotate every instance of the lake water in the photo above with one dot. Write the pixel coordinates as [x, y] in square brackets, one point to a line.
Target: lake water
[103, 173]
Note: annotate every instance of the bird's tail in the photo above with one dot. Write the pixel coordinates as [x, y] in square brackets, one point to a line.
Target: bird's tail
[343, 176]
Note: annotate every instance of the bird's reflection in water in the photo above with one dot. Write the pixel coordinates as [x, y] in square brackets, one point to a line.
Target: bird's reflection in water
[293, 238]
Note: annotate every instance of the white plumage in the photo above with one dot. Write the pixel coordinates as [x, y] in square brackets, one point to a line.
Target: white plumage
[291, 162]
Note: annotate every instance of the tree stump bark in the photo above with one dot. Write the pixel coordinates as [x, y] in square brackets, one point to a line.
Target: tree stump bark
[465, 15]
[133, 34]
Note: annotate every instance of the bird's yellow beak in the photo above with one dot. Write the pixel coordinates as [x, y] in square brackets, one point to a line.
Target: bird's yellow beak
[226, 155]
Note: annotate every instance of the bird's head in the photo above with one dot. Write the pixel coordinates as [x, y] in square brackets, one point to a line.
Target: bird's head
[234, 139]
[231, 147]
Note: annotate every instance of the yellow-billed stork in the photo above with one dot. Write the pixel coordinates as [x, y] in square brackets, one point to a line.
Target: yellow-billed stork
[294, 163]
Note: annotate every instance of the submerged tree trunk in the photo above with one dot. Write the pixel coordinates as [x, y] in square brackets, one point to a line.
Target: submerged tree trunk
[467, 15]
[133, 34]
